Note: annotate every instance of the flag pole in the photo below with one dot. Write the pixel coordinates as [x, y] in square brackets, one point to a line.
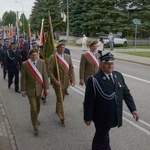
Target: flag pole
[42, 39]
[58, 74]
[29, 37]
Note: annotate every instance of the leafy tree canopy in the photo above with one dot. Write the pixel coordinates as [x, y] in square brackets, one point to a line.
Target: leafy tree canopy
[93, 17]
[9, 18]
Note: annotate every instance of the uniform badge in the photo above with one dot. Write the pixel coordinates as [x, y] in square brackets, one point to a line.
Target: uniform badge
[104, 78]
[119, 85]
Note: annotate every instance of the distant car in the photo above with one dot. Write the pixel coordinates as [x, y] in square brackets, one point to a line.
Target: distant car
[118, 40]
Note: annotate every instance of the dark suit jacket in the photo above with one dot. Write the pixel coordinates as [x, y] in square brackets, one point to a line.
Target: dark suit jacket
[107, 113]
[4, 49]
[12, 61]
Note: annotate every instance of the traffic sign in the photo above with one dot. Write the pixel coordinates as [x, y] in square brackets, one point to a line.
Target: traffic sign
[137, 21]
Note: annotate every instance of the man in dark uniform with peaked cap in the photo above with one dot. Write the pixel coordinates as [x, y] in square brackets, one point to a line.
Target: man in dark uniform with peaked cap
[4, 50]
[13, 65]
[103, 103]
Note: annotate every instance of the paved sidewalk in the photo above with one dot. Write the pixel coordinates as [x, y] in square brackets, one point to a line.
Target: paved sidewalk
[7, 139]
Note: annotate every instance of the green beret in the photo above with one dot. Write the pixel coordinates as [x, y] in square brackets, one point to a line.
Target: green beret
[93, 43]
[60, 44]
[33, 51]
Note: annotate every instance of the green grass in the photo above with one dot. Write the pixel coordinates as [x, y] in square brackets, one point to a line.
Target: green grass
[140, 46]
[142, 54]
[131, 47]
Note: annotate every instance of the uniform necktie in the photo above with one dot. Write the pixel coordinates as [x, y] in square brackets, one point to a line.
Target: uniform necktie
[34, 63]
[111, 78]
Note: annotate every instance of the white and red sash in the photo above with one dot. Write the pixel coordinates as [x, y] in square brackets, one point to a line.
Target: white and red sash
[93, 59]
[37, 74]
[62, 61]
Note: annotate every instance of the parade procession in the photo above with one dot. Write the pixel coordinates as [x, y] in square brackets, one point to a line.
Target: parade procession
[63, 89]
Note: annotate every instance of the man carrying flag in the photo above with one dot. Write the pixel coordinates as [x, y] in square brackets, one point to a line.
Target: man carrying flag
[34, 83]
[66, 72]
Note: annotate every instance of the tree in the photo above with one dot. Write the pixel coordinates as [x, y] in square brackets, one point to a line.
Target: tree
[9, 18]
[0, 22]
[23, 24]
[96, 17]
[40, 11]
[142, 11]
[93, 17]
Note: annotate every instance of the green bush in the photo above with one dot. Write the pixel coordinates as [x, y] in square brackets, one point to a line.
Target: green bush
[129, 37]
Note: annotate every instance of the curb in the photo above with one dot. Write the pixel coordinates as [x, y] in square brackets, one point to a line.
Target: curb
[6, 129]
[133, 61]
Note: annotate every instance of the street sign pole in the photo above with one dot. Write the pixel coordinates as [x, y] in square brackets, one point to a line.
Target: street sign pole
[135, 36]
[136, 22]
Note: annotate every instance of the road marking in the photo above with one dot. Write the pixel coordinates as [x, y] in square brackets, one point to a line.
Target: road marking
[77, 91]
[136, 78]
[76, 60]
[80, 88]
[137, 126]
[145, 123]
[131, 122]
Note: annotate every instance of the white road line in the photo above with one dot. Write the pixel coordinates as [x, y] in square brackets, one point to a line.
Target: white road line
[136, 78]
[80, 88]
[132, 123]
[137, 126]
[77, 91]
[76, 60]
[75, 66]
[145, 123]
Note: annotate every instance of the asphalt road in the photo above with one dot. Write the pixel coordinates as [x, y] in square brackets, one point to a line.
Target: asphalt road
[76, 135]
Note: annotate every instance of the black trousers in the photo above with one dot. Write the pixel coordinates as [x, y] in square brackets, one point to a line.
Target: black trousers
[11, 75]
[4, 72]
[101, 138]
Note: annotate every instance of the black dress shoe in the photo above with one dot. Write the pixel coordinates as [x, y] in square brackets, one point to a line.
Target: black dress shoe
[63, 122]
[43, 100]
[18, 91]
[67, 92]
[36, 131]
[9, 86]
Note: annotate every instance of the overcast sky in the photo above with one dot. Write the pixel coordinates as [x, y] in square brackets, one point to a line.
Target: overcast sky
[7, 5]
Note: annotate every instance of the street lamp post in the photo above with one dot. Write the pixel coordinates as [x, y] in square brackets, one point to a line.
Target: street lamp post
[23, 15]
[67, 21]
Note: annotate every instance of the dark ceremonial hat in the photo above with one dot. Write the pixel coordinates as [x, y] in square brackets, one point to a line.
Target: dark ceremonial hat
[33, 51]
[108, 57]
[21, 37]
[41, 46]
[60, 44]
[13, 43]
[93, 43]
[34, 44]
[7, 39]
